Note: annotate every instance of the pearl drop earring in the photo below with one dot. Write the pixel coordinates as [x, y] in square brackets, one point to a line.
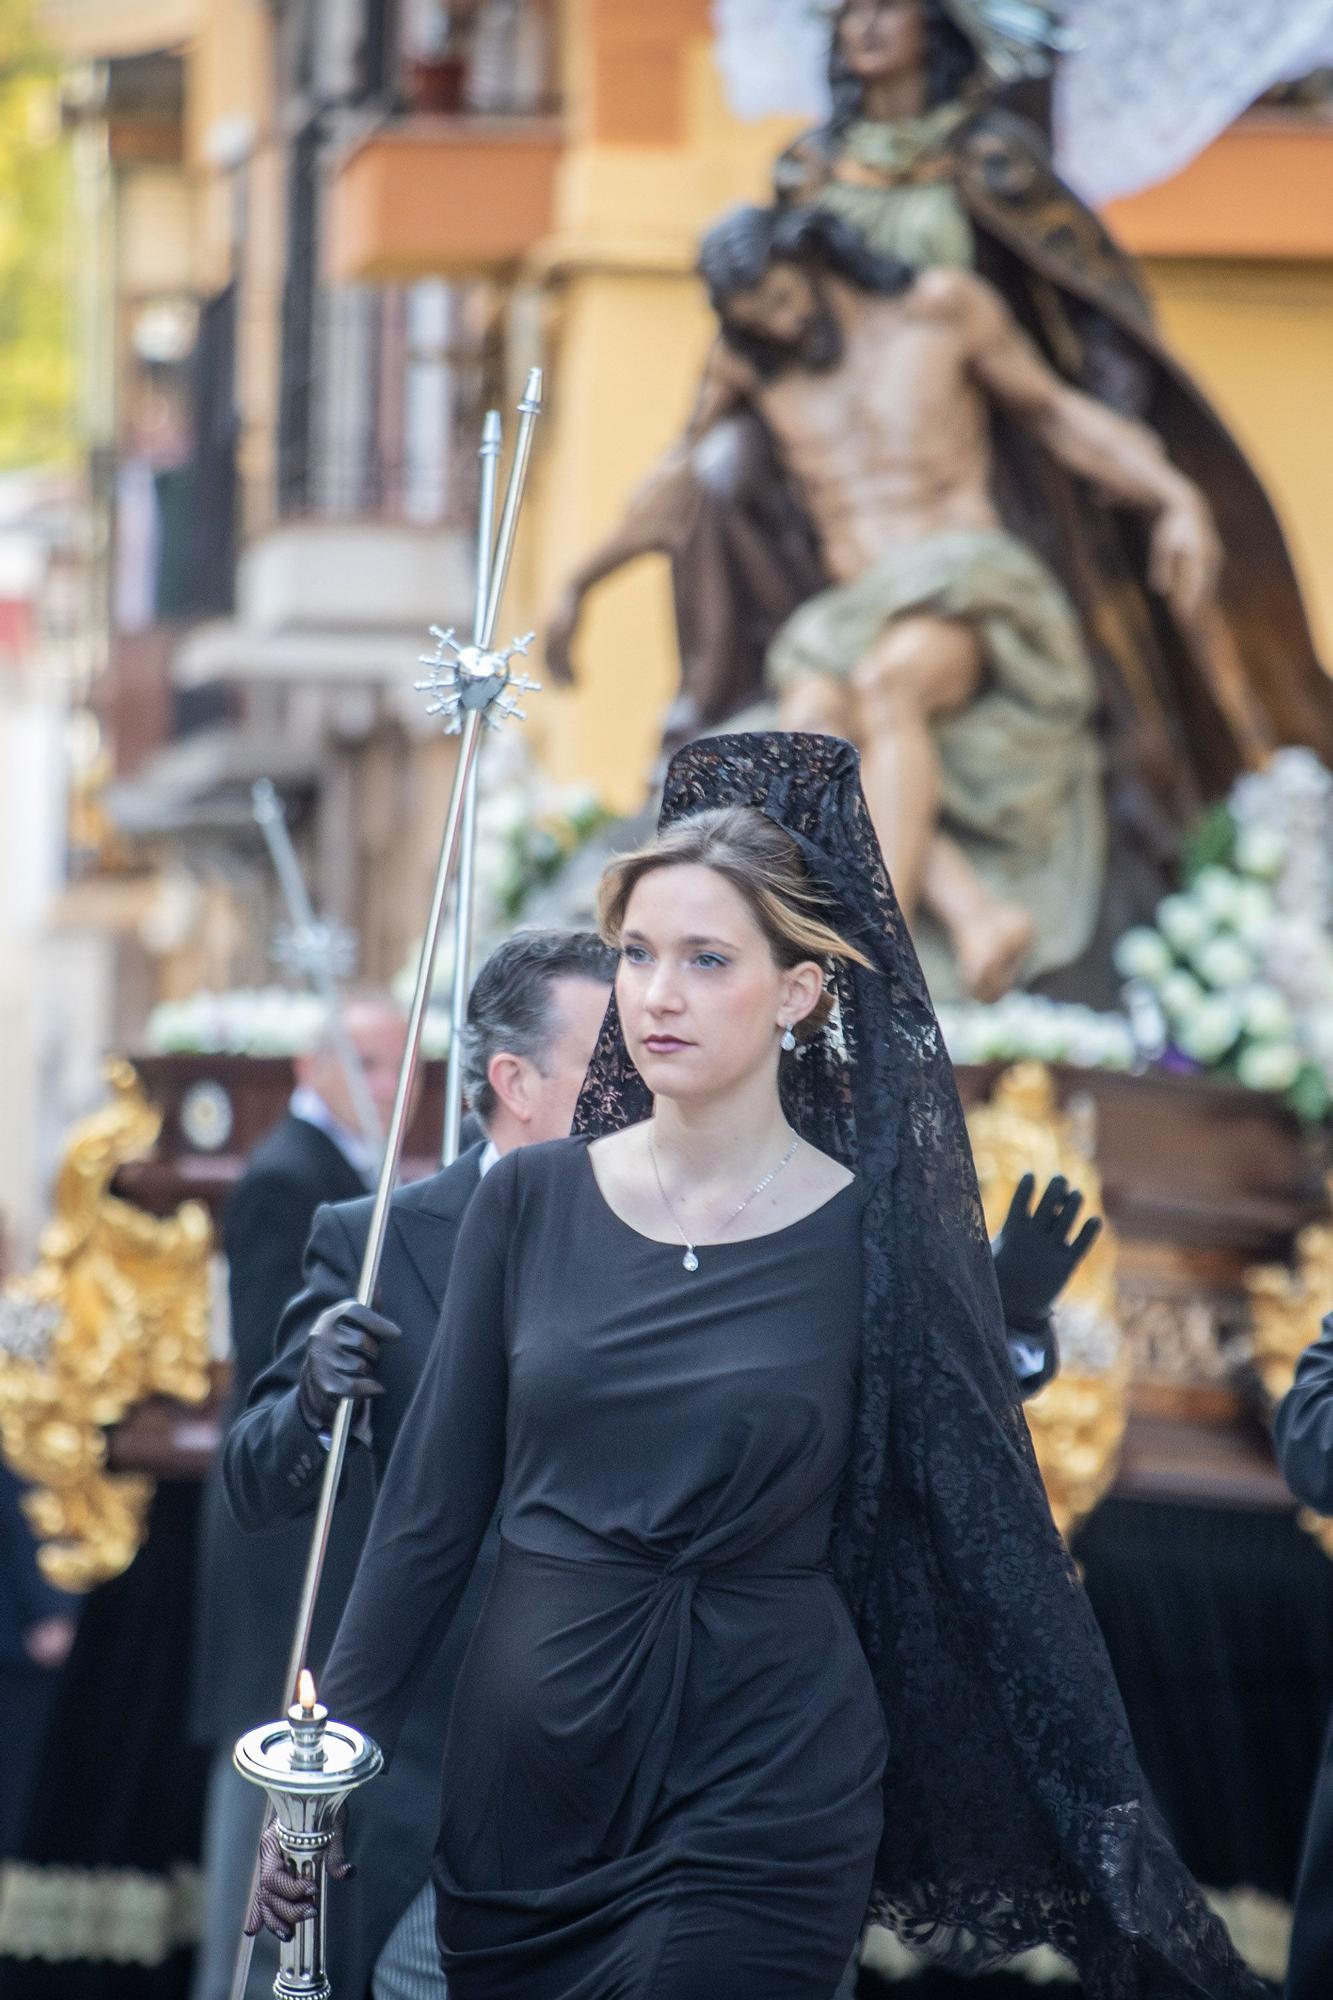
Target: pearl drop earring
[788, 1038]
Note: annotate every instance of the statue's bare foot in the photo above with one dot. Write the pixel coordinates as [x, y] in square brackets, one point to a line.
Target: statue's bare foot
[993, 947]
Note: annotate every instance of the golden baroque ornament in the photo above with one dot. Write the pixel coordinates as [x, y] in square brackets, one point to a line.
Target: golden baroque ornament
[1078, 1420]
[115, 1310]
[1287, 1306]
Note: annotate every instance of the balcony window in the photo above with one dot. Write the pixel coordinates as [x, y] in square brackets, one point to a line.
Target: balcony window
[400, 376]
[487, 57]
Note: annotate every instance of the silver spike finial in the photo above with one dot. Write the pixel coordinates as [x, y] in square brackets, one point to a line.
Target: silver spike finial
[531, 405]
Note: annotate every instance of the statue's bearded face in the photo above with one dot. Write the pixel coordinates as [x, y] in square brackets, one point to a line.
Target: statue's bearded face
[882, 38]
[789, 313]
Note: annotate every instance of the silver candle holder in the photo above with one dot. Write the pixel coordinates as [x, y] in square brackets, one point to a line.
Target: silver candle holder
[309, 1767]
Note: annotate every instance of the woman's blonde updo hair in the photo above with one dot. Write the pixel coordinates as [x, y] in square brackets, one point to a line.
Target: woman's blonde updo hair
[764, 865]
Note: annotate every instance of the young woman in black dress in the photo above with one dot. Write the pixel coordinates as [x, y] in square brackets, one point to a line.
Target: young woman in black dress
[781, 1630]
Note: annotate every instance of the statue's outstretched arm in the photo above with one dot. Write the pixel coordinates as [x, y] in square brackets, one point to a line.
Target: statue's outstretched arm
[652, 524]
[658, 514]
[1125, 457]
[1121, 454]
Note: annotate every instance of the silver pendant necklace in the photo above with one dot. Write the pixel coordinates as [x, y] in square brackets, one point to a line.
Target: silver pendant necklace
[691, 1258]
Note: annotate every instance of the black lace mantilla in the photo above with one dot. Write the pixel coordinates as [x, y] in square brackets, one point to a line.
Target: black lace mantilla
[1015, 1810]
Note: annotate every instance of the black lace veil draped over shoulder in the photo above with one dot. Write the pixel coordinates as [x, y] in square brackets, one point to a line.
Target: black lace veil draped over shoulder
[1015, 1810]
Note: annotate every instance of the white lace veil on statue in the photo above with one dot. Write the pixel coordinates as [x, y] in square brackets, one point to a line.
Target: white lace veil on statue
[1148, 85]
[1015, 1811]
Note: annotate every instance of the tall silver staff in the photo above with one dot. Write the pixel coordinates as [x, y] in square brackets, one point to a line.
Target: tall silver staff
[468, 685]
[313, 949]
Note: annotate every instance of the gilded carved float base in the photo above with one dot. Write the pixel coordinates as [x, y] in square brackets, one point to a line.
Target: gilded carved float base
[1078, 1420]
[115, 1311]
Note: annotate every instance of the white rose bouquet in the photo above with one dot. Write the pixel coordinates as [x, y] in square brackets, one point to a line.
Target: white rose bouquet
[247, 1021]
[1236, 975]
[1026, 1027]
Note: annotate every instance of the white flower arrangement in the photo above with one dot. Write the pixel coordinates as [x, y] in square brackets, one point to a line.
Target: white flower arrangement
[1026, 1027]
[250, 1021]
[257, 1021]
[1236, 975]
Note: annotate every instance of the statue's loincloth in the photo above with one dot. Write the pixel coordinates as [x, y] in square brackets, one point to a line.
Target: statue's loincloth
[1020, 769]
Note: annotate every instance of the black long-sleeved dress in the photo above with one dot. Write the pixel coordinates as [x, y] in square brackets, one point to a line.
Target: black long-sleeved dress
[663, 1773]
[1303, 1432]
[1303, 1424]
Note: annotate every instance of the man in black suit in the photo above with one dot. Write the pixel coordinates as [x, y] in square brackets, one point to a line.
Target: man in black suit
[247, 1590]
[1303, 1432]
[533, 1017]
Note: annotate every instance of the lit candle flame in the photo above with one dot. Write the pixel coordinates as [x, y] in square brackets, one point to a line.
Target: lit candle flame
[305, 1690]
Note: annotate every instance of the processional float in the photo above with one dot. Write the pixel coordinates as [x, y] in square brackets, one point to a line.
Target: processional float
[308, 1764]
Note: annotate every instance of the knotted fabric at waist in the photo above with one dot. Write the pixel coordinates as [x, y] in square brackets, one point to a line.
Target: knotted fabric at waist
[691, 1565]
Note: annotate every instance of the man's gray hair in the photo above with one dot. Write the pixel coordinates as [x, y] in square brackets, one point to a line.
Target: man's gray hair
[509, 1007]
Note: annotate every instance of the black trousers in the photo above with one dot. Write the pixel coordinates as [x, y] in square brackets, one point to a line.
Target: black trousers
[1310, 1966]
[26, 1695]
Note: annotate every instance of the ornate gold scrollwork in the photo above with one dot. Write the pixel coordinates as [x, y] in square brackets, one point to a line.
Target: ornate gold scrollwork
[1287, 1305]
[115, 1310]
[1078, 1420]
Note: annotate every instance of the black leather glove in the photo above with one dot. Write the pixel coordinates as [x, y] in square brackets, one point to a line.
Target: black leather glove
[341, 1355]
[282, 1899]
[1034, 1256]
